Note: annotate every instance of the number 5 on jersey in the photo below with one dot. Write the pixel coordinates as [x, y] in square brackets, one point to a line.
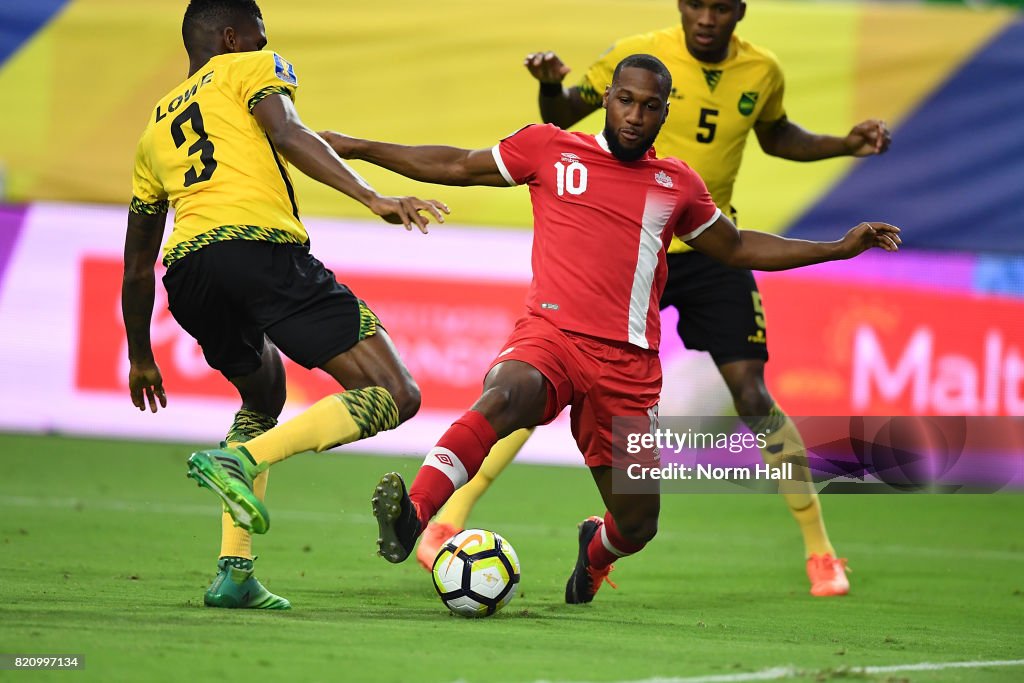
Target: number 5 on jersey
[571, 178]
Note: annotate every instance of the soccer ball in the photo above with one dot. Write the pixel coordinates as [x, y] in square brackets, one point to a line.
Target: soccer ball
[476, 573]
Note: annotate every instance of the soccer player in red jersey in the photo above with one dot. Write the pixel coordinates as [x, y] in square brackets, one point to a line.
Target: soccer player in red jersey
[589, 337]
[723, 89]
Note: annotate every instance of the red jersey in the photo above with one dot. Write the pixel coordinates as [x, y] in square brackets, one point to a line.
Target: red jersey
[601, 227]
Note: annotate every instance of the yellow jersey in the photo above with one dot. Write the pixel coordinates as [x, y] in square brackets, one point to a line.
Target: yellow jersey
[712, 107]
[205, 154]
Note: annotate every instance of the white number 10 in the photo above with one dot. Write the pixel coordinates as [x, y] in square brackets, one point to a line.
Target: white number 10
[571, 178]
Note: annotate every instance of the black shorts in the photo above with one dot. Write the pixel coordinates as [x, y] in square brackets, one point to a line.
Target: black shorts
[719, 308]
[228, 295]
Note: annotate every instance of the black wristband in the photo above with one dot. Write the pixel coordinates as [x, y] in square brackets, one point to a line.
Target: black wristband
[550, 89]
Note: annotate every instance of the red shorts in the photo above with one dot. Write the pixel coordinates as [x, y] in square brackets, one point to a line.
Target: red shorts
[599, 379]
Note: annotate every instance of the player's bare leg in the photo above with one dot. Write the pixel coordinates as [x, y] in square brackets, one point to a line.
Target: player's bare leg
[515, 396]
[745, 380]
[264, 391]
[374, 362]
[629, 524]
[380, 394]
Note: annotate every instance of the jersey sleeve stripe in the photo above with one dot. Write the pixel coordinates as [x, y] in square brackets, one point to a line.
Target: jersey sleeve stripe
[139, 206]
[261, 95]
[707, 224]
[588, 93]
[496, 153]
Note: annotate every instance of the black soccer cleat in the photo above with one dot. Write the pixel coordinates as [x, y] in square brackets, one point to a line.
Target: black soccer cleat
[585, 581]
[397, 523]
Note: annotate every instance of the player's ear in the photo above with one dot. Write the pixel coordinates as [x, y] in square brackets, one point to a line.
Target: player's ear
[230, 39]
[604, 98]
[741, 11]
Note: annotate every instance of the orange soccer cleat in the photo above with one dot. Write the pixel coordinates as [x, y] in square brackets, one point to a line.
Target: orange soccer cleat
[431, 541]
[828, 575]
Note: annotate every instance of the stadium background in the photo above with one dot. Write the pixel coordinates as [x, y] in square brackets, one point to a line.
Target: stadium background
[105, 552]
[935, 330]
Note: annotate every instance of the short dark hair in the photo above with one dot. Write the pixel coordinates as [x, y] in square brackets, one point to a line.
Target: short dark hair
[652, 64]
[207, 15]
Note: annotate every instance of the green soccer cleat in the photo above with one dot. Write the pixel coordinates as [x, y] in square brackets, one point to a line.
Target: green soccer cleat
[235, 587]
[229, 472]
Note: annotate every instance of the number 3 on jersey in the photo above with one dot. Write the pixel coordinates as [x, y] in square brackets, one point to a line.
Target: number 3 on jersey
[571, 178]
[203, 145]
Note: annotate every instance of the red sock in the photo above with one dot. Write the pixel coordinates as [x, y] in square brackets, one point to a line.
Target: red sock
[608, 544]
[451, 463]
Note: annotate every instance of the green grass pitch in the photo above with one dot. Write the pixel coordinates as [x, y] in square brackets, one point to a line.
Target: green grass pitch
[106, 548]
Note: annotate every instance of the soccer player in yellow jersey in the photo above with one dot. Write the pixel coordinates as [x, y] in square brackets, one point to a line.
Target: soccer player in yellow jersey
[724, 87]
[240, 277]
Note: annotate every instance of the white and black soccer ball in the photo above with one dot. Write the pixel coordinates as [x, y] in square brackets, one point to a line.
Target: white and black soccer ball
[476, 573]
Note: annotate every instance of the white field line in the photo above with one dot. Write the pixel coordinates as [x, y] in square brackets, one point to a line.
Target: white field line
[940, 666]
[512, 528]
[145, 507]
[780, 673]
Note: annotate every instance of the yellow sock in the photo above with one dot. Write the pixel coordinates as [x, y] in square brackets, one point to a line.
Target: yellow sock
[813, 527]
[235, 541]
[331, 421]
[785, 445]
[456, 512]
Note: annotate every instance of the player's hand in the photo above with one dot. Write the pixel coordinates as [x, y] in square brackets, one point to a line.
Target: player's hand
[146, 385]
[406, 210]
[546, 67]
[343, 145]
[868, 235]
[867, 138]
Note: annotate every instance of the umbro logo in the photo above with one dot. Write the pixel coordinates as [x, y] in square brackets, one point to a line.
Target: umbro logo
[444, 459]
[663, 179]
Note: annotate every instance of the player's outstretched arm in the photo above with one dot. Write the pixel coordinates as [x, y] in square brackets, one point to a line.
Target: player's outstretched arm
[558, 105]
[308, 152]
[138, 288]
[754, 250]
[426, 163]
[787, 140]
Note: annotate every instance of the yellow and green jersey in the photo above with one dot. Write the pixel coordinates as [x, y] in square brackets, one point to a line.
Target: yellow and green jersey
[205, 154]
[712, 106]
